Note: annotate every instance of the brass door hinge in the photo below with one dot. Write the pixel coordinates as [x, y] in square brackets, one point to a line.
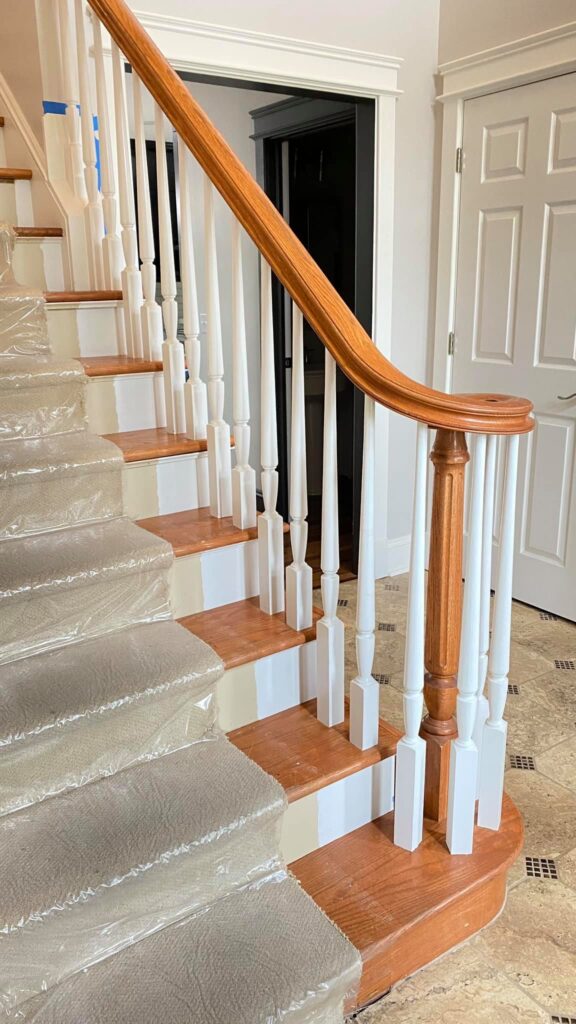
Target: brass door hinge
[459, 160]
[451, 341]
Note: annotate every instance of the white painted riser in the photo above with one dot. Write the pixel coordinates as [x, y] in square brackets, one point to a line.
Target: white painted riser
[157, 487]
[209, 579]
[16, 203]
[8, 202]
[267, 686]
[38, 263]
[131, 401]
[84, 328]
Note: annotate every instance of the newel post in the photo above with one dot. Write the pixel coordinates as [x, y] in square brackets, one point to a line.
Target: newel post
[443, 615]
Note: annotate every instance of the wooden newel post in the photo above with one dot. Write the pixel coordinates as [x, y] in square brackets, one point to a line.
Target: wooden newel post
[443, 615]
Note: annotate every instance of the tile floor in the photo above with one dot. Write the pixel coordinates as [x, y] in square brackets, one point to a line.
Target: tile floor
[522, 968]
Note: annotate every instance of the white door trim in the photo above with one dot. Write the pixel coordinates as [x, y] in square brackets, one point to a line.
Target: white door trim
[520, 62]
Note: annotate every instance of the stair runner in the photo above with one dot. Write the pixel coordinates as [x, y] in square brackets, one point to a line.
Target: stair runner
[140, 871]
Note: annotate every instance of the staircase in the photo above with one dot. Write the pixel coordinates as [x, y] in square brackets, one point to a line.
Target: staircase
[175, 721]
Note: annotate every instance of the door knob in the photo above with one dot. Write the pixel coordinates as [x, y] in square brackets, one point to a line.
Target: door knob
[566, 398]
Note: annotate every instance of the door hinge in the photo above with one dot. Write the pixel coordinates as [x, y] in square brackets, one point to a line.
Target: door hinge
[451, 340]
[459, 159]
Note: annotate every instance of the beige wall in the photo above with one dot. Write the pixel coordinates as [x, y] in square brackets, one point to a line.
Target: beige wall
[469, 26]
[19, 58]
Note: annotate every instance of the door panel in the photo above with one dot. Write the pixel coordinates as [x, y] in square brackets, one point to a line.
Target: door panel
[515, 321]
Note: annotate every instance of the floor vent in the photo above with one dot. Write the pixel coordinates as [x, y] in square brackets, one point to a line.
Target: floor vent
[343, 602]
[548, 617]
[387, 627]
[382, 679]
[541, 867]
[522, 761]
[565, 663]
[513, 689]
[562, 1018]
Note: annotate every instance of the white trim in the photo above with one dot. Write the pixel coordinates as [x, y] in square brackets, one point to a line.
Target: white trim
[261, 57]
[518, 62]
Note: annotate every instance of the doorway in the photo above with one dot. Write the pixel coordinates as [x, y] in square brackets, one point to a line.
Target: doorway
[515, 317]
[315, 160]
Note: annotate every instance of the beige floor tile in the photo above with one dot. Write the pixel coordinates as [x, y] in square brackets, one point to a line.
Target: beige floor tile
[534, 942]
[531, 729]
[560, 764]
[548, 810]
[553, 638]
[526, 664]
[556, 691]
[566, 867]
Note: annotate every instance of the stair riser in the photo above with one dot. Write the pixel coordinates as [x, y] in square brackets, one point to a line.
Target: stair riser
[38, 263]
[131, 401]
[43, 622]
[16, 203]
[267, 686]
[84, 328]
[3, 157]
[156, 487]
[213, 578]
[61, 502]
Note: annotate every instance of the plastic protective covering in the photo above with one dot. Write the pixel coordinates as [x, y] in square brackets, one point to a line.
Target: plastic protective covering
[140, 871]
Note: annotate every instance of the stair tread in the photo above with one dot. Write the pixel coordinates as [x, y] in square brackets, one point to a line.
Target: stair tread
[22, 232]
[108, 366]
[196, 530]
[30, 460]
[50, 562]
[154, 443]
[240, 632]
[151, 659]
[400, 909]
[303, 754]
[263, 953]
[104, 295]
[126, 825]
[15, 174]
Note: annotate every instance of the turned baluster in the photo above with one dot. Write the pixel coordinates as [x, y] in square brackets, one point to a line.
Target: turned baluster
[243, 475]
[67, 49]
[270, 525]
[443, 615]
[218, 431]
[487, 531]
[195, 389]
[93, 211]
[298, 574]
[113, 256]
[151, 314]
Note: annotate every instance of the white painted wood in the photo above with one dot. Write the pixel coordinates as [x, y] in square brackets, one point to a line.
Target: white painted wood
[411, 751]
[516, 309]
[298, 573]
[487, 535]
[172, 350]
[112, 253]
[330, 629]
[195, 396]
[93, 210]
[270, 525]
[75, 161]
[131, 277]
[464, 755]
[448, 226]
[150, 312]
[493, 757]
[364, 690]
[243, 475]
[218, 431]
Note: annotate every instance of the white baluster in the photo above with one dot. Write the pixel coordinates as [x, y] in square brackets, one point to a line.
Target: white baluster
[243, 476]
[487, 530]
[411, 750]
[67, 48]
[270, 526]
[364, 690]
[131, 276]
[330, 629]
[494, 739]
[172, 350]
[195, 388]
[150, 312]
[463, 754]
[93, 212]
[111, 245]
[298, 574]
[218, 431]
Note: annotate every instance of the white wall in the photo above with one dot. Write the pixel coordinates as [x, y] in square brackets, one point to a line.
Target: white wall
[475, 25]
[401, 28]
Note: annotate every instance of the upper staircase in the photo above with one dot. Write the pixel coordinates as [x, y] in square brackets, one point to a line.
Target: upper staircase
[157, 776]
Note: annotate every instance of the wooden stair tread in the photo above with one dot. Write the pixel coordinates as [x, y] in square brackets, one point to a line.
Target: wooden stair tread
[401, 910]
[154, 443]
[15, 174]
[241, 632]
[85, 296]
[38, 232]
[303, 754]
[1, 121]
[196, 530]
[108, 366]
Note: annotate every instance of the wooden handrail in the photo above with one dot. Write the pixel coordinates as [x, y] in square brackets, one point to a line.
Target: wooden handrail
[323, 308]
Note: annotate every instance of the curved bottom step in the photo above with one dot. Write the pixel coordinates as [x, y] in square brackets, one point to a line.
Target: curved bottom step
[403, 910]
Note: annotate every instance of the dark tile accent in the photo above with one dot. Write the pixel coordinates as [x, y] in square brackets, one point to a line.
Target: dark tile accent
[513, 689]
[522, 761]
[541, 867]
[392, 586]
[565, 663]
[562, 1018]
[382, 679]
[387, 627]
[342, 602]
[548, 617]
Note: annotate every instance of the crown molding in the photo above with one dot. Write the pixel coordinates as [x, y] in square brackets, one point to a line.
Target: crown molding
[518, 62]
[218, 50]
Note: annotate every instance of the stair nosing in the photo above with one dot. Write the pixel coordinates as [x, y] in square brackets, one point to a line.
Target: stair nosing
[11, 174]
[110, 295]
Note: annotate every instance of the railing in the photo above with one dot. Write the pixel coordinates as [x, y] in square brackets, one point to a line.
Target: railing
[443, 767]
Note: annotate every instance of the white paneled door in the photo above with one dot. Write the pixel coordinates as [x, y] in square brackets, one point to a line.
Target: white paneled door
[516, 309]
